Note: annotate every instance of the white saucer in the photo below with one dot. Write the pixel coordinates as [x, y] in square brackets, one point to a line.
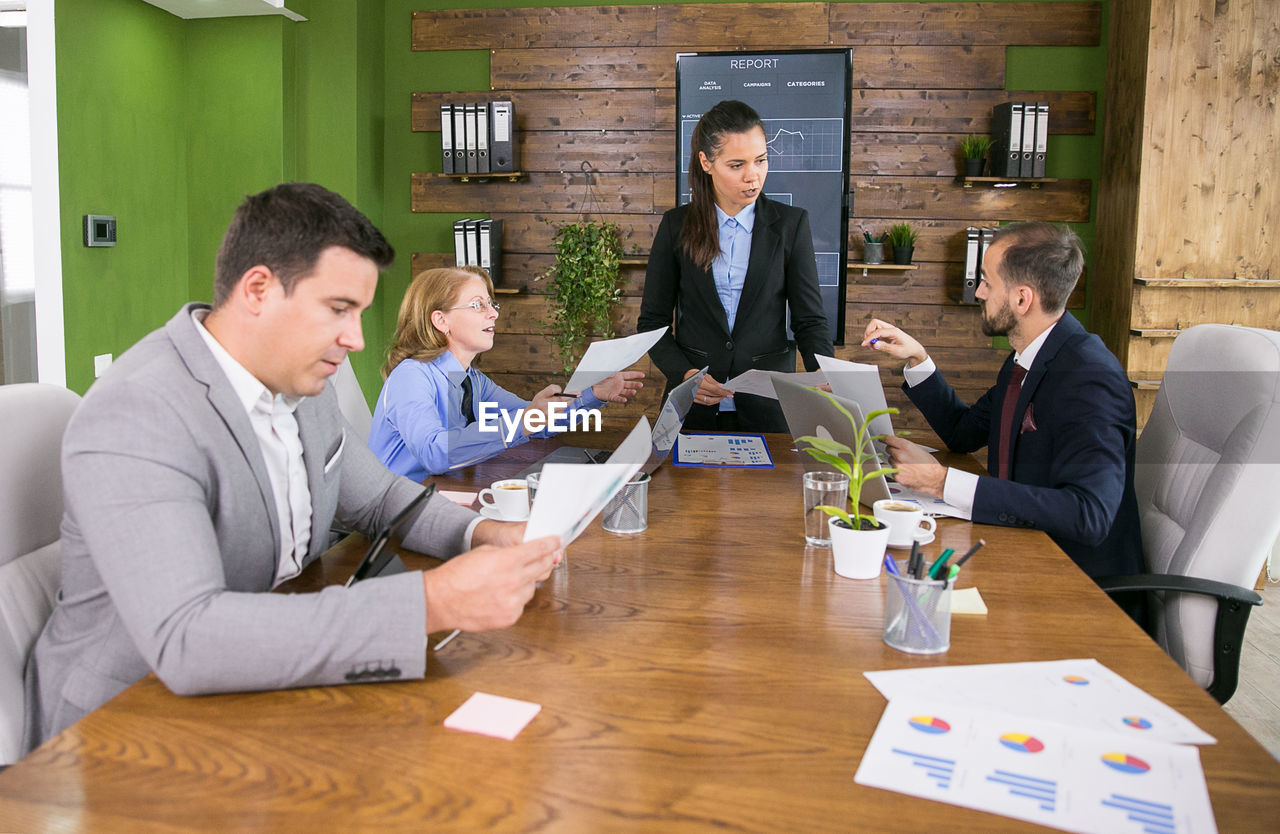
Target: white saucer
[926, 539]
[490, 512]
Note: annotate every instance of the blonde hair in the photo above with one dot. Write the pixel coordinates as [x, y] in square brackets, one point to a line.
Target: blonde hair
[434, 289]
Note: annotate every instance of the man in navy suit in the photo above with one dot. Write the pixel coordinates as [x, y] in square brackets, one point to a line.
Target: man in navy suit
[1059, 422]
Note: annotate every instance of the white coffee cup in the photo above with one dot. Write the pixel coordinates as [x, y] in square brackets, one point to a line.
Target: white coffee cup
[508, 499]
[906, 520]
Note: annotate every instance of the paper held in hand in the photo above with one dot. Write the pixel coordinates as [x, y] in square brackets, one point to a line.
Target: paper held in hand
[605, 358]
[571, 495]
[760, 383]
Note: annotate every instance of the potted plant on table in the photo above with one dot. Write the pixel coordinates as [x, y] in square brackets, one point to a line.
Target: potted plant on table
[858, 542]
[903, 239]
[974, 150]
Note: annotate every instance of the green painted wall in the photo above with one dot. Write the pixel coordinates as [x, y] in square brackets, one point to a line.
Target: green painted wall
[168, 123]
[235, 105]
[120, 66]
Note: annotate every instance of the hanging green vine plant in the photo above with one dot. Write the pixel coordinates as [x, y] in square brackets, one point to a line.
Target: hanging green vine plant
[584, 283]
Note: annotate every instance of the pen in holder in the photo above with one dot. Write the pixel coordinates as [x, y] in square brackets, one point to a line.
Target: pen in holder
[917, 612]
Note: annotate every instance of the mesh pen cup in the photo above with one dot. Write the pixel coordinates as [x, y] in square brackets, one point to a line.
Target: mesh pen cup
[628, 511]
[917, 613]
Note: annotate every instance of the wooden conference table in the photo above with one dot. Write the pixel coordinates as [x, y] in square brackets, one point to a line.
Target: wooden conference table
[705, 674]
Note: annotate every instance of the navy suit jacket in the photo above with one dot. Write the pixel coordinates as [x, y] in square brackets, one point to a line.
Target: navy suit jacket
[782, 272]
[1074, 429]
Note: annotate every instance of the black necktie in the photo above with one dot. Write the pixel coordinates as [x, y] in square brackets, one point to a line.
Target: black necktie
[468, 405]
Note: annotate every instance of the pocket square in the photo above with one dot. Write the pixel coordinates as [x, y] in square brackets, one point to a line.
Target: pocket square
[337, 454]
[1029, 419]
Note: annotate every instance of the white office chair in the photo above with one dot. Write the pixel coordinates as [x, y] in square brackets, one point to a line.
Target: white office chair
[1208, 486]
[34, 418]
[355, 408]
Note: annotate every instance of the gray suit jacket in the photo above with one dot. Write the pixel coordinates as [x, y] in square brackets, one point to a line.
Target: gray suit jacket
[170, 543]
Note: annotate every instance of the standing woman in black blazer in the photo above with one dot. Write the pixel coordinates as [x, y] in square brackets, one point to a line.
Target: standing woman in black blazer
[723, 270]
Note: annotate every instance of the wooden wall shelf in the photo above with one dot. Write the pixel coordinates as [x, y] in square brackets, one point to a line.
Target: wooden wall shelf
[509, 176]
[1006, 182]
[865, 266]
[1214, 283]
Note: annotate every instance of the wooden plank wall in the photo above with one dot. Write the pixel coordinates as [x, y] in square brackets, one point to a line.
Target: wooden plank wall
[596, 84]
[1189, 195]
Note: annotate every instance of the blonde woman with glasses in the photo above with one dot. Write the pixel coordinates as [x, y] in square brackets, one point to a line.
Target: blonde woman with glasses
[428, 416]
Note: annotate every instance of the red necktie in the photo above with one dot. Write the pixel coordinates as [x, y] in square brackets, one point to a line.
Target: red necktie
[1011, 391]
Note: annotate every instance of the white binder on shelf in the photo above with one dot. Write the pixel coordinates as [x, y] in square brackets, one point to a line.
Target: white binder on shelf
[482, 138]
[446, 138]
[469, 128]
[971, 255]
[1042, 139]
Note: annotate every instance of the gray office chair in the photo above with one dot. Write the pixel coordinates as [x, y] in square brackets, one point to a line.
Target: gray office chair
[1208, 485]
[34, 418]
[355, 408]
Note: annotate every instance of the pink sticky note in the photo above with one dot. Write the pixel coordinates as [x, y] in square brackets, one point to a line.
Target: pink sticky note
[466, 499]
[492, 715]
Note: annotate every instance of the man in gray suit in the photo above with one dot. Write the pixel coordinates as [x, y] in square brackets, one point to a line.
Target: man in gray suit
[205, 467]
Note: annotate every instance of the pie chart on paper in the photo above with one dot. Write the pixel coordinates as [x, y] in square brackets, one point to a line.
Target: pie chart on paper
[1136, 722]
[929, 724]
[1125, 763]
[1022, 742]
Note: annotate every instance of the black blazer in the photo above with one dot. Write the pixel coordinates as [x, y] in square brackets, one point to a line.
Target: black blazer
[781, 273]
[1073, 449]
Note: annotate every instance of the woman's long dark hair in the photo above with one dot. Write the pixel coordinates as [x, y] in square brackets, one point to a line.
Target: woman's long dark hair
[699, 236]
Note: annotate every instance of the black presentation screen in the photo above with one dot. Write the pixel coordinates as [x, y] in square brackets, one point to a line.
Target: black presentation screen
[803, 99]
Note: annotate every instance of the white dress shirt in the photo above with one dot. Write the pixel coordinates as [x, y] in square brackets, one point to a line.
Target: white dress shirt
[961, 486]
[277, 432]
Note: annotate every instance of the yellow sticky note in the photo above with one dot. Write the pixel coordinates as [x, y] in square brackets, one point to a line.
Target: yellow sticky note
[967, 601]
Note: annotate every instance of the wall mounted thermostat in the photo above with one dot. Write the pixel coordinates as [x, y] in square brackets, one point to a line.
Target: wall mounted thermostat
[99, 230]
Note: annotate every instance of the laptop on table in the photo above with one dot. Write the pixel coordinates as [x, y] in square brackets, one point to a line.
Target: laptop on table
[809, 412]
[378, 560]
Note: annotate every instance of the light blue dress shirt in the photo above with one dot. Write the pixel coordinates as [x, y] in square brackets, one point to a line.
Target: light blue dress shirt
[417, 424]
[730, 267]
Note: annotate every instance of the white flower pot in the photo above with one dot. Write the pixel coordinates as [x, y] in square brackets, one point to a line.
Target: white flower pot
[858, 554]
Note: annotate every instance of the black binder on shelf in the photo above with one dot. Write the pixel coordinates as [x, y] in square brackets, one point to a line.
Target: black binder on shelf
[1042, 138]
[970, 285]
[1028, 139]
[503, 150]
[491, 249]
[482, 138]
[1006, 139]
[469, 129]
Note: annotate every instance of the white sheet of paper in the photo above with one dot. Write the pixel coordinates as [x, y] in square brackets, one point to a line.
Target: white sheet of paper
[760, 382]
[606, 357]
[722, 450]
[492, 715]
[860, 383]
[466, 499]
[932, 505]
[1079, 693]
[571, 495]
[1052, 774]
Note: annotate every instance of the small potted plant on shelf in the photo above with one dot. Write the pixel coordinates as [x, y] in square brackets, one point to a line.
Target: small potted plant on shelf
[974, 150]
[872, 248]
[903, 239]
[858, 541]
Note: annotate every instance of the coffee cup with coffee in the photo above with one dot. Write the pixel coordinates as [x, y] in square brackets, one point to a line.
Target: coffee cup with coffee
[906, 521]
[506, 500]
